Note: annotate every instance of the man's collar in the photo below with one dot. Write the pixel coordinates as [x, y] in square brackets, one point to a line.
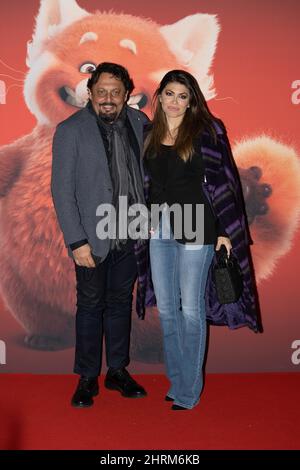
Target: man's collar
[90, 107]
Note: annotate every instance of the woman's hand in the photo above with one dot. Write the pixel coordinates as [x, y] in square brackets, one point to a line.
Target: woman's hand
[226, 242]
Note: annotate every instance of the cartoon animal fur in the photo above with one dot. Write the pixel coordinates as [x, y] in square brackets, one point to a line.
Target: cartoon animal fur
[37, 278]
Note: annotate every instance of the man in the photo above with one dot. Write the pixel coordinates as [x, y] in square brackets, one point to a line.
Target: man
[97, 159]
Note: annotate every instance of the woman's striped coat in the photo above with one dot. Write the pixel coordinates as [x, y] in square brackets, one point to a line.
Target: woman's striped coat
[222, 188]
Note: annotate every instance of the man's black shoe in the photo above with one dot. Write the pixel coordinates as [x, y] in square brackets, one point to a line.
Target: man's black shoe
[122, 381]
[87, 388]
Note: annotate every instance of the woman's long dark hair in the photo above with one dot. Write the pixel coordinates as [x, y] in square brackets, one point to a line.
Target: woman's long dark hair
[196, 118]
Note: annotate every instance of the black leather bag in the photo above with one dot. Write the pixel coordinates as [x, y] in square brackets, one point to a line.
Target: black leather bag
[227, 276]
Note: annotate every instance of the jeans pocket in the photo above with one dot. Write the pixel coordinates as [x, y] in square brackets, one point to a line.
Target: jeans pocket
[191, 247]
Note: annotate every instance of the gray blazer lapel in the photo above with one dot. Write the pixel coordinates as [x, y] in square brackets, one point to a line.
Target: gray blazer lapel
[91, 129]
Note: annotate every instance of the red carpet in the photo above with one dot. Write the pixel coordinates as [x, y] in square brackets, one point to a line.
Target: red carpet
[237, 411]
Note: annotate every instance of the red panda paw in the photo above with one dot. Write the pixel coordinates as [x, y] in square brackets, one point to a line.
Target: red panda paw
[255, 193]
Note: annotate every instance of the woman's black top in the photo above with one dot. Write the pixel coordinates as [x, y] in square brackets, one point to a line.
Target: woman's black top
[174, 181]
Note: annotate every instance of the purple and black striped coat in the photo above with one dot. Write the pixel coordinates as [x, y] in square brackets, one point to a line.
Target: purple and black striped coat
[222, 188]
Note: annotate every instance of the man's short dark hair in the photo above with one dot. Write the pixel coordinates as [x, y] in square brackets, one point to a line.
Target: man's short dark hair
[117, 71]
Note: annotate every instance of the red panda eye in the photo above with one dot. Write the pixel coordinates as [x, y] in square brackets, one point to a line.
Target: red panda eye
[87, 67]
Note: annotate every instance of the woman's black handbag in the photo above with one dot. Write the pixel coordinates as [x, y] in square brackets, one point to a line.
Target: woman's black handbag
[227, 276]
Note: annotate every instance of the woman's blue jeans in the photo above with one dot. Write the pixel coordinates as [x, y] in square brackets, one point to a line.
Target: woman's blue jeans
[179, 274]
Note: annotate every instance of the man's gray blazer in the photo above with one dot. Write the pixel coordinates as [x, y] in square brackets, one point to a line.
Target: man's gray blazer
[81, 178]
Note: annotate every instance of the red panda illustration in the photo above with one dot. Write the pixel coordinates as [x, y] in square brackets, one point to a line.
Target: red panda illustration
[37, 279]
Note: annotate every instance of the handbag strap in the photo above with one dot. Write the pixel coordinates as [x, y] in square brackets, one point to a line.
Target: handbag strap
[222, 257]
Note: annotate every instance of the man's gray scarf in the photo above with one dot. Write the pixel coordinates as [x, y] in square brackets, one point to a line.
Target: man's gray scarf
[124, 169]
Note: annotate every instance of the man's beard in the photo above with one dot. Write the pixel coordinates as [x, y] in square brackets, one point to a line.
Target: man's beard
[108, 117]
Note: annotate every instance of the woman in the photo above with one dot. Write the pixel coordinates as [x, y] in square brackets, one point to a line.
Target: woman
[190, 167]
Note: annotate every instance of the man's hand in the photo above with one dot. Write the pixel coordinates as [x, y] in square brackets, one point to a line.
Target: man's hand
[83, 257]
[224, 241]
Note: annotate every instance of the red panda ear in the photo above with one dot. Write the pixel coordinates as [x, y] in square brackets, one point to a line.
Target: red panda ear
[193, 41]
[53, 16]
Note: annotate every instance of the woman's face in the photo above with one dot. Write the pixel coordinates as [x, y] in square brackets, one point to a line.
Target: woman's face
[175, 99]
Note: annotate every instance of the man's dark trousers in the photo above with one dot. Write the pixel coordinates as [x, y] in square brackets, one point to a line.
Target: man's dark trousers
[104, 303]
